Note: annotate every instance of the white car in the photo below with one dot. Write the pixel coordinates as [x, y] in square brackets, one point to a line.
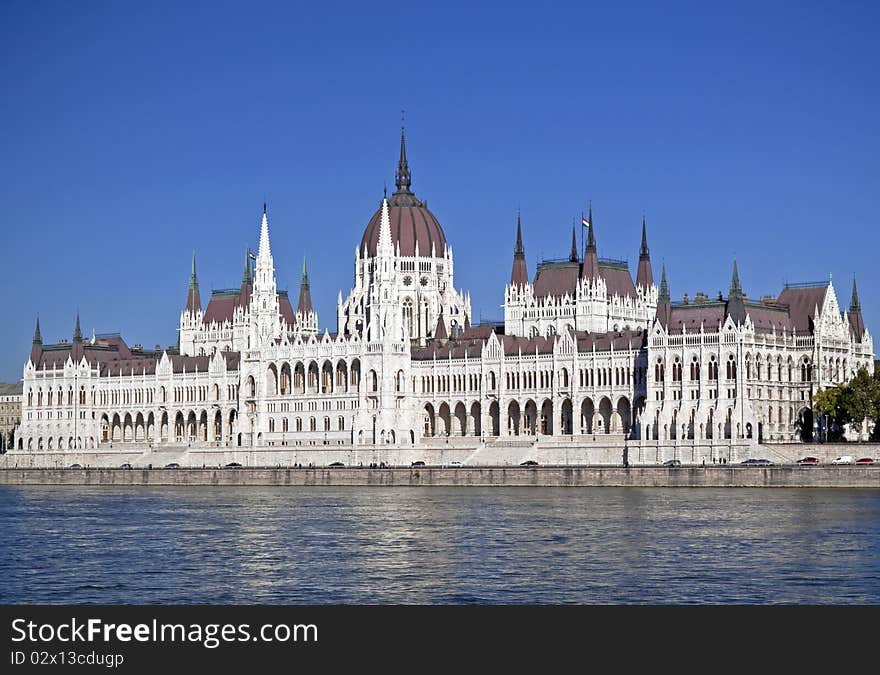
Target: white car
[843, 459]
[454, 463]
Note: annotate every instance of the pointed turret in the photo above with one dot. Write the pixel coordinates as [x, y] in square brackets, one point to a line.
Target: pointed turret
[644, 275]
[193, 301]
[264, 251]
[384, 246]
[440, 332]
[76, 350]
[736, 309]
[573, 256]
[37, 346]
[856, 323]
[590, 269]
[247, 281]
[403, 178]
[519, 275]
[305, 294]
[664, 305]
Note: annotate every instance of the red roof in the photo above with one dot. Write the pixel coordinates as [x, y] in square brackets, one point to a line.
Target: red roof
[112, 356]
[411, 222]
[558, 278]
[802, 303]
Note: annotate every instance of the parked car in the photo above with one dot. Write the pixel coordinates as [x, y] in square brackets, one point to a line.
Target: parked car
[336, 464]
[756, 462]
[125, 466]
[418, 462]
[808, 460]
[865, 460]
[233, 465]
[672, 462]
[529, 462]
[76, 466]
[454, 463]
[843, 459]
[172, 465]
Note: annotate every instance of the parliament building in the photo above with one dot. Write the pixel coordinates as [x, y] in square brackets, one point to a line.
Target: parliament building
[585, 352]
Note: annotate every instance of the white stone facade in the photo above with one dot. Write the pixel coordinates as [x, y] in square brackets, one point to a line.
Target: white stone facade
[406, 368]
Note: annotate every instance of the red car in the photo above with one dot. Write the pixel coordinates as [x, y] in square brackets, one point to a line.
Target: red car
[808, 460]
[865, 460]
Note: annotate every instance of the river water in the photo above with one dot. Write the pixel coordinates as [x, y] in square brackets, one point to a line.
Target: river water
[259, 545]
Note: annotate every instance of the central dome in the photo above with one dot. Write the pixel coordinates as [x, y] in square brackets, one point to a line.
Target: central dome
[411, 221]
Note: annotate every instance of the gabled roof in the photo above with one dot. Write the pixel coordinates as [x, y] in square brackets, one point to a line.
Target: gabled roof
[801, 301]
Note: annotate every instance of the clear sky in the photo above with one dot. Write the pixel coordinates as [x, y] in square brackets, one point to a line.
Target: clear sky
[132, 134]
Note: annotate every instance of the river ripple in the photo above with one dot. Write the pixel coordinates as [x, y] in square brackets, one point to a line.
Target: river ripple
[139, 545]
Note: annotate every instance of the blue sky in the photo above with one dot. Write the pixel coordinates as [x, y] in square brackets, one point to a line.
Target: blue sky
[133, 134]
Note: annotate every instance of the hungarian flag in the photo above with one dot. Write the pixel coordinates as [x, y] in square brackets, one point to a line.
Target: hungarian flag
[252, 255]
[584, 221]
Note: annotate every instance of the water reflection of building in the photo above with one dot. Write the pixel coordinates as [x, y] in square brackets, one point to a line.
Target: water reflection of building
[584, 350]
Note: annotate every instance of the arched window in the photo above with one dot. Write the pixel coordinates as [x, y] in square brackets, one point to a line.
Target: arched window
[408, 316]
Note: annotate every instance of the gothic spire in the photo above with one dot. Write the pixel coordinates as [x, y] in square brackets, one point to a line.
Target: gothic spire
[854, 305]
[37, 346]
[663, 297]
[518, 248]
[77, 333]
[644, 275]
[664, 306]
[735, 287]
[403, 178]
[573, 256]
[193, 301]
[519, 275]
[305, 295]
[440, 332]
[246, 276]
[736, 308]
[264, 251]
[856, 322]
[590, 269]
[591, 236]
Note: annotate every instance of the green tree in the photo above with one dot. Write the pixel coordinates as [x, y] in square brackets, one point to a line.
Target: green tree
[828, 402]
[859, 399]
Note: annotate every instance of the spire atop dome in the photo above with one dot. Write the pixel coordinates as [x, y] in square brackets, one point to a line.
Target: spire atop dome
[403, 179]
[77, 333]
[38, 339]
[644, 275]
[573, 256]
